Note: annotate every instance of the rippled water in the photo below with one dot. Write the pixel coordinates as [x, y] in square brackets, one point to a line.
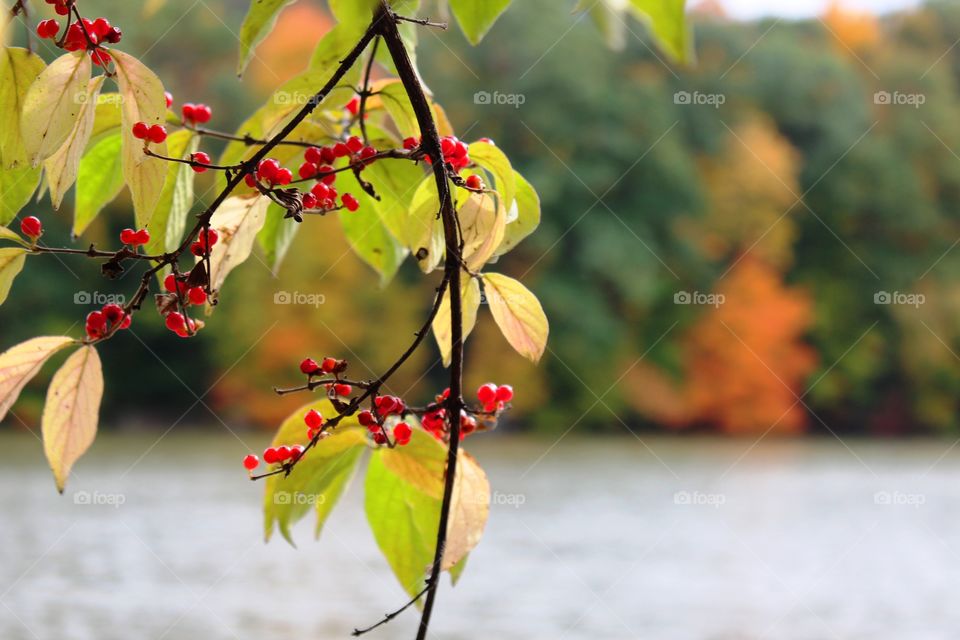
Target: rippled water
[697, 539]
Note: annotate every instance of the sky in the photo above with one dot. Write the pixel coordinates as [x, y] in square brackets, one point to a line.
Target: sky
[804, 8]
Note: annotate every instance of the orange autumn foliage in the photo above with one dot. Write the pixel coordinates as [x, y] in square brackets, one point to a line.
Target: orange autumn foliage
[745, 359]
[289, 46]
[853, 31]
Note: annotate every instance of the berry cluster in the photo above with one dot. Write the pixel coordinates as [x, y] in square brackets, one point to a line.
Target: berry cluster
[456, 153]
[493, 397]
[190, 295]
[108, 319]
[182, 325]
[84, 35]
[311, 367]
[205, 240]
[31, 227]
[135, 238]
[317, 163]
[195, 113]
[62, 7]
[156, 133]
[386, 405]
[274, 455]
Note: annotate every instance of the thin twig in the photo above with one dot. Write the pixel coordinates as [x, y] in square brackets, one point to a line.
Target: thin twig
[390, 616]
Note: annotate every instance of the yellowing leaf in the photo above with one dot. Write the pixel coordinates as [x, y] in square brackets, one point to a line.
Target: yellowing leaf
[522, 218]
[7, 234]
[257, 25]
[518, 314]
[69, 422]
[52, 105]
[491, 158]
[469, 509]
[142, 101]
[16, 188]
[20, 363]
[441, 323]
[169, 218]
[482, 224]
[18, 70]
[317, 481]
[238, 221]
[63, 165]
[11, 263]
[276, 236]
[424, 229]
[421, 463]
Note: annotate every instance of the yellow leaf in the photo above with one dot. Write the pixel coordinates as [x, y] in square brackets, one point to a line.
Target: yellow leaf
[18, 69]
[441, 324]
[469, 509]
[20, 363]
[421, 462]
[63, 165]
[52, 105]
[482, 224]
[238, 221]
[142, 101]
[69, 422]
[518, 314]
[11, 262]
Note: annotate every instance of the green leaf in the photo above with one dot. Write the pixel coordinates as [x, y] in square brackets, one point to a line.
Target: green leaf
[238, 221]
[477, 16]
[71, 412]
[18, 70]
[424, 229]
[523, 217]
[608, 16]
[143, 101]
[257, 25]
[19, 364]
[470, 296]
[52, 105]
[491, 158]
[11, 263]
[367, 235]
[170, 216]
[108, 116]
[668, 24]
[398, 105]
[276, 236]
[16, 187]
[518, 314]
[403, 518]
[396, 183]
[335, 45]
[319, 479]
[63, 165]
[99, 181]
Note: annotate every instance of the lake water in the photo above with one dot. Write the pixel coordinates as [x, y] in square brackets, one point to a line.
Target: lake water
[587, 539]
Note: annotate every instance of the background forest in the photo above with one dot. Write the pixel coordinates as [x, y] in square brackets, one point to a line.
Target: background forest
[764, 241]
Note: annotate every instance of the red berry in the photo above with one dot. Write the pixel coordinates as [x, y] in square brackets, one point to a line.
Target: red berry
[309, 201]
[31, 227]
[402, 433]
[283, 176]
[169, 98]
[307, 170]
[157, 133]
[309, 366]
[283, 453]
[270, 456]
[313, 155]
[379, 438]
[250, 180]
[96, 324]
[366, 419]
[350, 202]
[267, 169]
[113, 313]
[487, 393]
[386, 404]
[189, 111]
[367, 152]
[202, 113]
[210, 237]
[504, 393]
[327, 156]
[251, 462]
[201, 158]
[61, 9]
[296, 451]
[141, 237]
[353, 106]
[101, 27]
[328, 365]
[197, 295]
[447, 146]
[198, 249]
[170, 283]
[474, 182]
[341, 150]
[141, 130]
[313, 419]
[354, 144]
[114, 37]
[342, 389]
[327, 175]
[100, 57]
[175, 322]
[126, 322]
[410, 143]
[128, 236]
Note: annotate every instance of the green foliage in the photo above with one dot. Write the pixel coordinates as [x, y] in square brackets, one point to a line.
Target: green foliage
[477, 16]
[260, 20]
